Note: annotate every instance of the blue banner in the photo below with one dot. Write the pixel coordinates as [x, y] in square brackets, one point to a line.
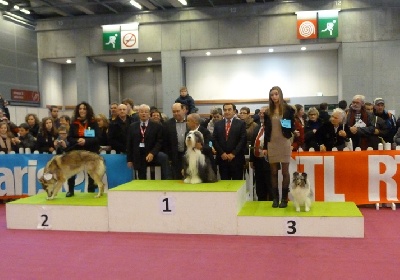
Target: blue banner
[19, 174]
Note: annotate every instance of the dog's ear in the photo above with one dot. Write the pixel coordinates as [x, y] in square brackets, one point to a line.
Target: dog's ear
[295, 174]
[47, 176]
[305, 176]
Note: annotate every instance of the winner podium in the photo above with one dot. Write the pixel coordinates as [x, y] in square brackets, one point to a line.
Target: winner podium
[169, 206]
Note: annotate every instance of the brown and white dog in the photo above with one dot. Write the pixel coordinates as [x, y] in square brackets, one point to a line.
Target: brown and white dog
[301, 191]
[196, 167]
[62, 167]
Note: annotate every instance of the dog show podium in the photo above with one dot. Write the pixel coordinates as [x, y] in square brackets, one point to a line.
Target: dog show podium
[170, 206]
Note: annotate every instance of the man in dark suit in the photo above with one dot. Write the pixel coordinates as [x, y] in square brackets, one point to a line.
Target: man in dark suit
[144, 144]
[193, 123]
[174, 133]
[118, 130]
[230, 143]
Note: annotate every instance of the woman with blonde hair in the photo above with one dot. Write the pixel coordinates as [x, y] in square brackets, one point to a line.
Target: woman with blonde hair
[279, 128]
[7, 143]
[103, 124]
[310, 128]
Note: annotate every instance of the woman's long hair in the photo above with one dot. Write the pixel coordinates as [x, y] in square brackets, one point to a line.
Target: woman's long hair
[282, 103]
[43, 129]
[89, 112]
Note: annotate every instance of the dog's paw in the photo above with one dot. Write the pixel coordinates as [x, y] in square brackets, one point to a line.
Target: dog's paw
[307, 209]
[97, 196]
[196, 181]
[297, 209]
[187, 180]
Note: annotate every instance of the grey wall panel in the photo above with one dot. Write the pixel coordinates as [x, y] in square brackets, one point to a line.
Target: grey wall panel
[27, 45]
[27, 79]
[8, 75]
[171, 36]
[8, 58]
[238, 32]
[203, 35]
[150, 38]
[275, 30]
[7, 42]
[27, 62]
[57, 44]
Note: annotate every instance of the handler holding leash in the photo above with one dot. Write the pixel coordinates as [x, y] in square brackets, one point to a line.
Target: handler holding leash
[83, 135]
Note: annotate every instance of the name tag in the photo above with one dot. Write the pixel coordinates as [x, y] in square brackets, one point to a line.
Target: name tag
[141, 145]
[286, 123]
[89, 133]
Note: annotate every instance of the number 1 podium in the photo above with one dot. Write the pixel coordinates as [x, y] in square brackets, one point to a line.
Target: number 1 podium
[170, 206]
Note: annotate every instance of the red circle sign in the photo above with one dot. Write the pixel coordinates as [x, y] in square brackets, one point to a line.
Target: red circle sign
[129, 40]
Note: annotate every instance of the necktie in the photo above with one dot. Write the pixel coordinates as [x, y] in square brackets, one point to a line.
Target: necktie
[227, 128]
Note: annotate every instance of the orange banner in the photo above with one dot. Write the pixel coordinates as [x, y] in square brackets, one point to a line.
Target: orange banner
[364, 177]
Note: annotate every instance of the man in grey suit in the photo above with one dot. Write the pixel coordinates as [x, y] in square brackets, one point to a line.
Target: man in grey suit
[230, 143]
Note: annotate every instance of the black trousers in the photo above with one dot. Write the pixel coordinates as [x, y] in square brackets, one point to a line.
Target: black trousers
[231, 170]
[176, 166]
[262, 176]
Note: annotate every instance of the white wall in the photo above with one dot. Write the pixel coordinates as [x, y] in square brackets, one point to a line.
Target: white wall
[98, 97]
[69, 86]
[251, 76]
[51, 84]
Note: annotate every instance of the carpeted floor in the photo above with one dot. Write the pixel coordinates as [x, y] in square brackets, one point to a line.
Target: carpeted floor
[27, 254]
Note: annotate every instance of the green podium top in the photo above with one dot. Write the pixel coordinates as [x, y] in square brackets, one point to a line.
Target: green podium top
[179, 186]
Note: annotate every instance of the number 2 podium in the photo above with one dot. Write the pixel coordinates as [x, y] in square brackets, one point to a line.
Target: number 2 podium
[174, 207]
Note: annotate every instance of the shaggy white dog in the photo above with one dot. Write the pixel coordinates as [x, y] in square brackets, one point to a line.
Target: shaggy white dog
[197, 167]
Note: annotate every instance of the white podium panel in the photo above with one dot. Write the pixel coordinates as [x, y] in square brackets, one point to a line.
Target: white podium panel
[60, 214]
[174, 207]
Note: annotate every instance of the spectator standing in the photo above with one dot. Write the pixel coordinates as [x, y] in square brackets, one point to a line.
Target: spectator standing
[360, 123]
[144, 145]
[311, 126]
[47, 135]
[65, 120]
[34, 124]
[130, 109]
[216, 115]
[298, 136]
[102, 122]
[7, 143]
[83, 135]
[25, 139]
[279, 126]
[323, 112]
[259, 163]
[244, 115]
[380, 129]
[113, 111]
[118, 130]
[54, 115]
[389, 118]
[174, 139]
[186, 99]
[230, 144]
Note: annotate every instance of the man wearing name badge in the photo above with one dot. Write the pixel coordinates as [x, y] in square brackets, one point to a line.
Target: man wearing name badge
[144, 145]
[174, 133]
[230, 143]
[360, 123]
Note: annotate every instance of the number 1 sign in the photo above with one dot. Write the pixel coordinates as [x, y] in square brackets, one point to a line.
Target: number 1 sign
[167, 205]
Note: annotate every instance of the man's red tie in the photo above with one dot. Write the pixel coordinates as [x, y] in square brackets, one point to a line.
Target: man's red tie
[227, 128]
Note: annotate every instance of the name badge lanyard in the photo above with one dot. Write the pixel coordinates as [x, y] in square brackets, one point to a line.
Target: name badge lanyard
[143, 131]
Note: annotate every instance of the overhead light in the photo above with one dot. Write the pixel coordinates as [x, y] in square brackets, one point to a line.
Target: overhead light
[271, 50]
[69, 61]
[16, 7]
[149, 58]
[18, 20]
[183, 2]
[303, 48]
[25, 11]
[5, 3]
[136, 4]
[239, 51]
[121, 60]
[208, 53]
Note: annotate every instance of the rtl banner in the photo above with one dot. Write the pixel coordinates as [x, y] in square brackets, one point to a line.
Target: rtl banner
[123, 36]
[317, 24]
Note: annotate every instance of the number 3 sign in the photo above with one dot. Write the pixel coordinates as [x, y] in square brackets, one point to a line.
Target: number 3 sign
[167, 205]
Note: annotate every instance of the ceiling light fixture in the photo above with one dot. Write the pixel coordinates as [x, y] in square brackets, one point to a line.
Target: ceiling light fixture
[208, 53]
[303, 48]
[136, 4]
[121, 60]
[69, 61]
[16, 7]
[183, 2]
[25, 11]
[271, 50]
[5, 3]
[149, 58]
[239, 51]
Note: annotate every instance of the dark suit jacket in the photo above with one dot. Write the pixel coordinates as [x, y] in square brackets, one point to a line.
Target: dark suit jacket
[170, 140]
[236, 142]
[152, 141]
[118, 134]
[207, 150]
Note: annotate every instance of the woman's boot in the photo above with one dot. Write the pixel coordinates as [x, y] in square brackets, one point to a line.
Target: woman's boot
[275, 196]
[71, 187]
[284, 199]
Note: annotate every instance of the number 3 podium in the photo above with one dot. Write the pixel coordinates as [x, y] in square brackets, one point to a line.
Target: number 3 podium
[158, 206]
